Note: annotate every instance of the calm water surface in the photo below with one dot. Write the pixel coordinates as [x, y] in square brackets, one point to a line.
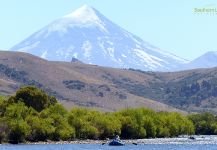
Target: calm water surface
[106, 147]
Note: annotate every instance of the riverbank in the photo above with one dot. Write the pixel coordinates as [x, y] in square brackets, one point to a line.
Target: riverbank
[179, 140]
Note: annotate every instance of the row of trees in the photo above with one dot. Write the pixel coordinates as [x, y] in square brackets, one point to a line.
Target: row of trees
[205, 123]
[32, 115]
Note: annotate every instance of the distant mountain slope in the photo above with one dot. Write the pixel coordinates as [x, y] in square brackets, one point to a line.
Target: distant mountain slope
[208, 60]
[87, 35]
[192, 90]
[72, 83]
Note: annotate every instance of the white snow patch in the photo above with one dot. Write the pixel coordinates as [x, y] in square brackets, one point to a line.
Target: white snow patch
[110, 42]
[151, 60]
[165, 54]
[87, 48]
[44, 54]
[85, 15]
[172, 56]
[69, 52]
[138, 46]
[111, 51]
[135, 40]
[75, 55]
[123, 55]
[56, 26]
[131, 36]
[101, 45]
[126, 33]
[66, 53]
[59, 52]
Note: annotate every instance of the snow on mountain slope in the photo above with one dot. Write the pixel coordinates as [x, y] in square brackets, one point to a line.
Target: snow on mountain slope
[87, 35]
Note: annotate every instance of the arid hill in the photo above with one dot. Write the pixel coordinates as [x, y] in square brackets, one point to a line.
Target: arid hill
[110, 89]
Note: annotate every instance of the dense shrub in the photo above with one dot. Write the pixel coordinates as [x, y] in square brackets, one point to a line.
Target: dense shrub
[32, 115]
[3, 130]
[18, 131]
[205, 123]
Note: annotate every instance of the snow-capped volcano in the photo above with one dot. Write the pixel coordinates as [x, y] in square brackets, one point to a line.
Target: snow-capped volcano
[87, 35]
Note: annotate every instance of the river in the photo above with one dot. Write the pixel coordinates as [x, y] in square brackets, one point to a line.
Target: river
[181, 143]
[106, 147]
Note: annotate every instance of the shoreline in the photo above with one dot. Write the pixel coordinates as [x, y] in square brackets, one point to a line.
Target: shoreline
[207, 139]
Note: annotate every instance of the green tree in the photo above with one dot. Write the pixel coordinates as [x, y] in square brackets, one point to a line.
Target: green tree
[40, 129]
[58, 115]
[16, 111]
[33, 97]
[129, 128]
[3, 130]
[18, 131]
[88, 131]
[82, 120]
[3, 105]
[14, 116]
[132, 121]
[107, 125]
[203, 123]
[150, 127]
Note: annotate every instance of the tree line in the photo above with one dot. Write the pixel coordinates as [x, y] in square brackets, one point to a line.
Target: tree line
[32, 115]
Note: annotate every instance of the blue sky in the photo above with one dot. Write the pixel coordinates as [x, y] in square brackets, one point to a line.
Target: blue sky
[171, 25]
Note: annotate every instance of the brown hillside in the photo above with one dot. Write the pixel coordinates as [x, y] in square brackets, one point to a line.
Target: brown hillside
[108, 88]
[75, 83]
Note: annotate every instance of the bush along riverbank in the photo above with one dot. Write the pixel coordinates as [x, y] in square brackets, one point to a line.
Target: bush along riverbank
[31, 116]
